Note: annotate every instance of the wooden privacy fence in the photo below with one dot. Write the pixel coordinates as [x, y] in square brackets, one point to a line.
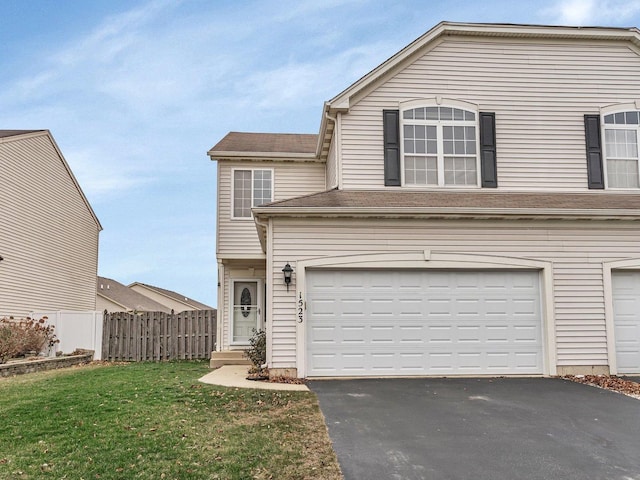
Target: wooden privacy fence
[158, 335]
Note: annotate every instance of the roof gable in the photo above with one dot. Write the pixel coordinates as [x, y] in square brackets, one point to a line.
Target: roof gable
[18, 135]
[345, 99]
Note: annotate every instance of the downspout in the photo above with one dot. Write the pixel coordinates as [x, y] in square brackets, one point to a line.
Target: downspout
[336, 137]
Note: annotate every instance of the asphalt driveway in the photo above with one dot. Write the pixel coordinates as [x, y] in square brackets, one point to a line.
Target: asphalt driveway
[518, 428]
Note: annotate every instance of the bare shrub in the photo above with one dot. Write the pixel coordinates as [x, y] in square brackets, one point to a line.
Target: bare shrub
[10, 345]
[22, 336]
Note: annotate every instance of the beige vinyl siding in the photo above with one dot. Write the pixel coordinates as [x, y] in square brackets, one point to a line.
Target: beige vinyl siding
[238, 238]
[577, 250]
[103, 304]
[538, 90]
[332, 166]
[48, 236]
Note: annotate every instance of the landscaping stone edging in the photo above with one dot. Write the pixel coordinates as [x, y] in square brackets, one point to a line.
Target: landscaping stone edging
[40, 365]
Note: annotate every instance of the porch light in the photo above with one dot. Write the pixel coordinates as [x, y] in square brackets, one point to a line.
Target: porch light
[287, 270]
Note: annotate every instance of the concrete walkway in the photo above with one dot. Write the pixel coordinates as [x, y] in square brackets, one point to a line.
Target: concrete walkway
[235, 376]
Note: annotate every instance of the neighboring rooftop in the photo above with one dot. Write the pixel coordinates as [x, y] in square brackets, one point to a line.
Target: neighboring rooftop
[13, 133]
[129, 299]
[235, 143]
[178, 297]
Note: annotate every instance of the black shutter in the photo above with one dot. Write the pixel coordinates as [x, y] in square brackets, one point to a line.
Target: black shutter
[391, 125]
[595, 175]
[488, 166]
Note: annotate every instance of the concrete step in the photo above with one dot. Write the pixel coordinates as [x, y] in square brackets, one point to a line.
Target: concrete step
[230, 357]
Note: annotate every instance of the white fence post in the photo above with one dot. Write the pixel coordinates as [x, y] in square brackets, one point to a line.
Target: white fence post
[97, 335]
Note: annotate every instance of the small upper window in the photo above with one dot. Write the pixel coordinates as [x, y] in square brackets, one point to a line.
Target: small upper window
[440, 146]
[621, 149]
[250, 189]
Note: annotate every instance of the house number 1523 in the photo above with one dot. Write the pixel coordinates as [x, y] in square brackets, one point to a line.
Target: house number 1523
[300, 308]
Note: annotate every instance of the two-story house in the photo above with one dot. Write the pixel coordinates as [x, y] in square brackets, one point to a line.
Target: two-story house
[48, 231]
[470, 207]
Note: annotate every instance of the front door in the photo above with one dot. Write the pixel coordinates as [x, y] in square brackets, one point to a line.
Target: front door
[246, 311]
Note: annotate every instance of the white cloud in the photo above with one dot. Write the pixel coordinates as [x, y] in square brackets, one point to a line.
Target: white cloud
[592, 12]
[295, 83]
[100, 177]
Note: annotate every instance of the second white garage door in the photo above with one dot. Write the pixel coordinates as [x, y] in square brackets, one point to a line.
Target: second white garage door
[381, 322]
[626, 307]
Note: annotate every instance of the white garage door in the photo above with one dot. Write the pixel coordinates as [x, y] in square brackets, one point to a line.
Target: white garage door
[380, 322]
[626, 318]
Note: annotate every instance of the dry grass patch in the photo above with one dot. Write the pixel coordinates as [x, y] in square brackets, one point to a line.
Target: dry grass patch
[155, 421]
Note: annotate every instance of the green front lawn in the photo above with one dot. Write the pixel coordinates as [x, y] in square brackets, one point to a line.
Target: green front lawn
[156, 421]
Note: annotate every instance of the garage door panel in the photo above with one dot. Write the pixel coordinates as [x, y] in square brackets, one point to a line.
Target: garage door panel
[626, 313]
[425, 323]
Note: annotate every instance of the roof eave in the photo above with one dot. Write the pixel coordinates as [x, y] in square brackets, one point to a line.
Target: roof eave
[304, 157]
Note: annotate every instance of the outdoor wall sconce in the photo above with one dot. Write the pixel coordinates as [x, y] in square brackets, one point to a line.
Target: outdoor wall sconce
[287, 270]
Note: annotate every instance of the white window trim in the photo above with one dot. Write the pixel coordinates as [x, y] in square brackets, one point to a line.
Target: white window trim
[440, 102]
[627, 107]
[233, 189]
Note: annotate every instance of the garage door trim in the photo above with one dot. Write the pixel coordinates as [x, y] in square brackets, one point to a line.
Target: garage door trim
[424, 260]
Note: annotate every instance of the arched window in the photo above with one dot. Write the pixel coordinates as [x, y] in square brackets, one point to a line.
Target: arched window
[621, 149]
[440, 146]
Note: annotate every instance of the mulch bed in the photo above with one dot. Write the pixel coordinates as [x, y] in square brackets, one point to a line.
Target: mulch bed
[295, 381]
[262, 375]
[608, 382]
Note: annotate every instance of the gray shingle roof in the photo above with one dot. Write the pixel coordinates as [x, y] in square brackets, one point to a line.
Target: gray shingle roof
[412, 200]
[13, 133]
[176, 296]
[130, 299]
[266, 143]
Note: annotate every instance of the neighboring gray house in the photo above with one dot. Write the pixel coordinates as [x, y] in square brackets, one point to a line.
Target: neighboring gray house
[139, 297]
[115, 297]
[469, 207]
[170, 299]
[48, 231]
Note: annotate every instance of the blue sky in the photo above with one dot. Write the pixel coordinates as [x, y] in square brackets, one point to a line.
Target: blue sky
[136, 91]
